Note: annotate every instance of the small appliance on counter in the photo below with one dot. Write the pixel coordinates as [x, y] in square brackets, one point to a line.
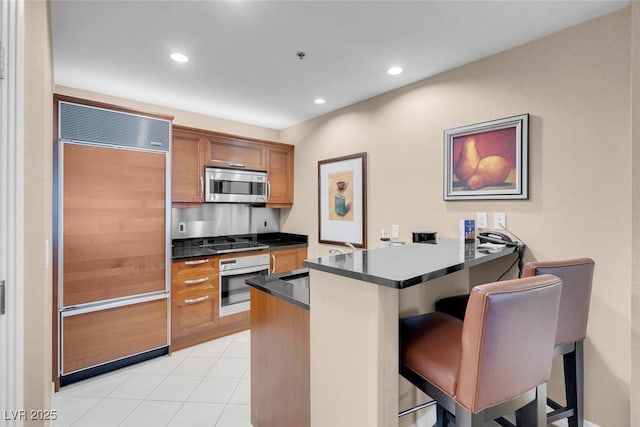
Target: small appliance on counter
[424, 237]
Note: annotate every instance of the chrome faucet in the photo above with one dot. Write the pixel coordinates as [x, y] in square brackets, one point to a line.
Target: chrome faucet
[335, 251]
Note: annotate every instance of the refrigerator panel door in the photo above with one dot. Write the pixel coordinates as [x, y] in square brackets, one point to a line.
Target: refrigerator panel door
[114, 223]
[99, 337]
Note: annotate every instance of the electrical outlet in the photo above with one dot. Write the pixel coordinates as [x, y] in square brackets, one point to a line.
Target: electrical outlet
[395, 231]
[182, 227]
[499, 220]
[482, 220]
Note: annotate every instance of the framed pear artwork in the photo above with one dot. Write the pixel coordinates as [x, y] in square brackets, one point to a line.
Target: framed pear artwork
[487, 160]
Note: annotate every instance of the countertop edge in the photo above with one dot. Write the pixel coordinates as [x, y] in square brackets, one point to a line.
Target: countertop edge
[412, 281]
[260, 284]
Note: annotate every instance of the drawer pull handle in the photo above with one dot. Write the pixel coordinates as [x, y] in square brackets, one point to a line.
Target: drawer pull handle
[196, 262]
[238, 165]
[196, 300]
[196, 281]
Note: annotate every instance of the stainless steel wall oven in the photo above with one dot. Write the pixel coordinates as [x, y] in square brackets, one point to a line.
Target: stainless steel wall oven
[234, 292]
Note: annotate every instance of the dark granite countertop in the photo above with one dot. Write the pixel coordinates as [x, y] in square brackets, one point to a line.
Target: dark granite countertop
[283, 240]
[274, 241]
[291, 286]
[407, 265]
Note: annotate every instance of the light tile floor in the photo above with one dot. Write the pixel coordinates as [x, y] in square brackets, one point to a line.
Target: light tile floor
[204, 385]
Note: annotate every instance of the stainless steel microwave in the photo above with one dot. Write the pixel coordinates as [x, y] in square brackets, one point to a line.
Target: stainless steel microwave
[235, 186]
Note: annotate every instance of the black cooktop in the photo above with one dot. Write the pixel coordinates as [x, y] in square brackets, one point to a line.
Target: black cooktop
[216, 245]
[206, 246]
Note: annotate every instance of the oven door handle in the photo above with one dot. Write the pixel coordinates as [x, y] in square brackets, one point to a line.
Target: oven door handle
[245, 270]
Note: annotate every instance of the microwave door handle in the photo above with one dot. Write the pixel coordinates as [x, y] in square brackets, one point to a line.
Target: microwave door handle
[245, 270]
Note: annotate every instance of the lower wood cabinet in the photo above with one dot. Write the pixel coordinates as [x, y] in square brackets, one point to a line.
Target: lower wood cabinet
[287, 259]
[193, 312]
[195, 297]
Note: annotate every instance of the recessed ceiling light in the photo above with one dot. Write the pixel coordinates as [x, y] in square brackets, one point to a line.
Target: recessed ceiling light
[179, 57]
[319, 101]
[394, 71]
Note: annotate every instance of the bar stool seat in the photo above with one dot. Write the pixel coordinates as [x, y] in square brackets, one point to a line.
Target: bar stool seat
[495, 362]
[577, 277]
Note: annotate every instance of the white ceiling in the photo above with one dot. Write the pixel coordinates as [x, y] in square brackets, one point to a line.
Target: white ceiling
[243, 64]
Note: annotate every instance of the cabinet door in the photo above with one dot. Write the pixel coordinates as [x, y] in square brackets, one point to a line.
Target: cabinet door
[235, 153]
[187, 168]
[287, 259]
[193, 312]
[280, 170]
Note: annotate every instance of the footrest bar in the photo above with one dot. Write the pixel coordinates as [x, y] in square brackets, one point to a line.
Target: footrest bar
[553, 404]
[504, 422]
[416, 408]
[559, 414]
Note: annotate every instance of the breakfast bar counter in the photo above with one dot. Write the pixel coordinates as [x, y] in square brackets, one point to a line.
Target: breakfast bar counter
[406, 265]
[356, 300]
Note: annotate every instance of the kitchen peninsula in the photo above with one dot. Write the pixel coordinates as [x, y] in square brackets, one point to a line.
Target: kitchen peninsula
[355, 302]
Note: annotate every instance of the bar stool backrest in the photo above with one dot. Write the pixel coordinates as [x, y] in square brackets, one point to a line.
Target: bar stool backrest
[507, 340]
[577, 279]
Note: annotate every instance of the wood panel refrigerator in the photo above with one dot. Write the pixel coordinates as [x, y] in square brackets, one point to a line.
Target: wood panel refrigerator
[112, 239]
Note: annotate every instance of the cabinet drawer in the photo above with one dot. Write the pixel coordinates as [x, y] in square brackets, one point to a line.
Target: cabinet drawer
[194, 268]
[99, 337]
[193, 312]
[207, 282]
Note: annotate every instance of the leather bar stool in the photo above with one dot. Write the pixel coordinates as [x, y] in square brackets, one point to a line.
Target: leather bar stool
[495, 362]
[577, 276]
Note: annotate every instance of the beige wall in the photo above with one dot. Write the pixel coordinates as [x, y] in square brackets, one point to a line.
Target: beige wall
[576, 86]
[183, 118]
[635, 138]
[38, 111]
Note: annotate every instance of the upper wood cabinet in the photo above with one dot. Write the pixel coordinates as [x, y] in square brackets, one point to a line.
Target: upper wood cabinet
[235, 153]
[187, 167]
[280, 175]
[193, 149]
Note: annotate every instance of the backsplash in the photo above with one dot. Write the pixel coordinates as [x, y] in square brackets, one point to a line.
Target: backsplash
[223, 219]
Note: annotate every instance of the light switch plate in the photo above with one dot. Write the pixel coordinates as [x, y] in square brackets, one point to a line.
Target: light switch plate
[482, 220]
[395, 231]
[499, 220]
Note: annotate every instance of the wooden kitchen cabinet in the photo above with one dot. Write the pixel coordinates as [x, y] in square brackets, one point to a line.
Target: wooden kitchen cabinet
[194, 299]
[193, 149]
[194, 311]
[287, 259]
[280, 175]
[187, 167]
[232, 152]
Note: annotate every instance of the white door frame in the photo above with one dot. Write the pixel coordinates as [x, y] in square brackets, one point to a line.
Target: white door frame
[11, 210]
